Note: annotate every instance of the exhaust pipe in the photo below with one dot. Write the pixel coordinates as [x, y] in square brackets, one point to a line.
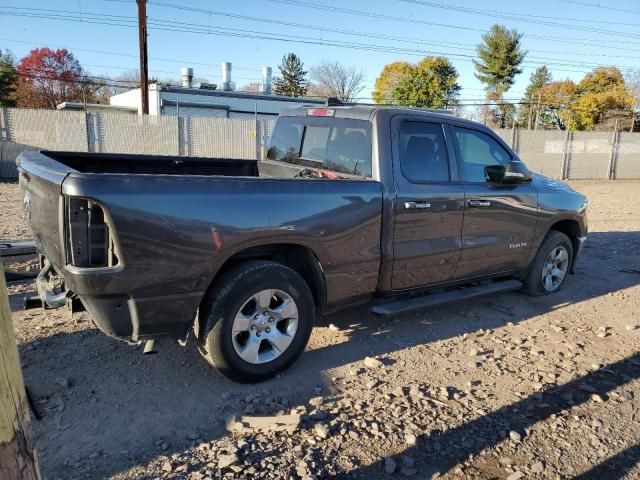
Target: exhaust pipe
[149, 347]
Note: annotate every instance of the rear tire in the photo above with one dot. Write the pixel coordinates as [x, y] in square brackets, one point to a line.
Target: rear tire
[550, 266]
[256, 320]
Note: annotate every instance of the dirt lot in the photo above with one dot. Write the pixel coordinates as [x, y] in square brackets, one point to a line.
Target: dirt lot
[501, 387]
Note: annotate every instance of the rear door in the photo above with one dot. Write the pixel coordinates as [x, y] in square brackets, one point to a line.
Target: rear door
[499, 218]
[429, 204]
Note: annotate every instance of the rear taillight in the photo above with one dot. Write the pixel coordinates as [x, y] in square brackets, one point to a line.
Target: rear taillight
[88, 239]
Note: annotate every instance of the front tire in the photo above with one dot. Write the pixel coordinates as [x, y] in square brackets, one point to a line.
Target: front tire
[550, 266]
[257, 319]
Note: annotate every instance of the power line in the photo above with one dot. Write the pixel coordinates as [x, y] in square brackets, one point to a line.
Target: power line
[523, 18]
[120, 54]
[319, 6]
[204, 29]
[170, 25]
[349, 32]
[598, 5]
[118, 83]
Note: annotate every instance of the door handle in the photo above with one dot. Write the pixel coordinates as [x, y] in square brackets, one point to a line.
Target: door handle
[479, 203]
[416, 205]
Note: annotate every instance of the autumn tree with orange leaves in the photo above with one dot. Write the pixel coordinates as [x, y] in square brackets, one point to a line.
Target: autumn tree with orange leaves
[50, 77]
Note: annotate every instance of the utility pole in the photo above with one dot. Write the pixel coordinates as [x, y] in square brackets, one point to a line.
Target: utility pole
[144, 67]
[633, 115]
[535, 126]
[530, 112]
[17, 456]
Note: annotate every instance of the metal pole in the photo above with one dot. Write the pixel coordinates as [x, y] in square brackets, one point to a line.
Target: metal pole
[612, 154]
[4, 125]
[144, 67]
[564, 174]
[257, 126]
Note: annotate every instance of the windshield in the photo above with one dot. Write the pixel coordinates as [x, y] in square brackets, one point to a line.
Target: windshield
[335, 144]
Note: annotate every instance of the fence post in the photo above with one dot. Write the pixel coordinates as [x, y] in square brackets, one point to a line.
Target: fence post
[179, 127]
[564, 174]
[86, 130]
[612, 153]
[4, 124]
[258, 140]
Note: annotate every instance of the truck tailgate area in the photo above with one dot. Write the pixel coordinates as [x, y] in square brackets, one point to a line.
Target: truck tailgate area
[41, 186]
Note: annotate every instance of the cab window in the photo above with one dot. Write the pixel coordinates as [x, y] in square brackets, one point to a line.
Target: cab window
[423, 152]
[483, 159]
[339, 145]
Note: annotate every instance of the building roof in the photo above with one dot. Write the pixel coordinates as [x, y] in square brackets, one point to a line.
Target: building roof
[238, 94]
[95, 106]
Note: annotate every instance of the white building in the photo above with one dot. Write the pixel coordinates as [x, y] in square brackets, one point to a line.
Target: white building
[208, 100]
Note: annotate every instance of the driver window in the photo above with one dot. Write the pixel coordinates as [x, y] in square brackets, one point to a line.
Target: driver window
[483, 159]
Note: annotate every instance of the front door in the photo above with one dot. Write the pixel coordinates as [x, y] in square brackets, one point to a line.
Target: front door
[429, 205]
[499, 218]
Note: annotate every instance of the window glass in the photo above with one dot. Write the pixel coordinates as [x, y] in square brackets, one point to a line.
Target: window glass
[314, 144]
[423, 152]
[339, 145]
[478, 151]
[285, 140]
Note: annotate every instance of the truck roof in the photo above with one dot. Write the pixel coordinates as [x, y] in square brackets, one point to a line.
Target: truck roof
[363, 111]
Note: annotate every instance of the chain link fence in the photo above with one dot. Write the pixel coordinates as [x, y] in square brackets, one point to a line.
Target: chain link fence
[23, 129]
[569, 155]
[556, 154]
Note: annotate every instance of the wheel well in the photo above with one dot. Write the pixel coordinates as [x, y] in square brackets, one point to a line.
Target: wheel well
[297, 257]
[570, 228]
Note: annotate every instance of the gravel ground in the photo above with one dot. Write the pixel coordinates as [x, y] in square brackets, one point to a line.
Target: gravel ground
[11, 225]
[502, 387]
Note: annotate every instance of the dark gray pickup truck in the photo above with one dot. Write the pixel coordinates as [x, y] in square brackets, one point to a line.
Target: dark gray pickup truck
[402, 208]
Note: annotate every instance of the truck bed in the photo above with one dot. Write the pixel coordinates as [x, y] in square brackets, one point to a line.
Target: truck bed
[153, 164]
[139, 238]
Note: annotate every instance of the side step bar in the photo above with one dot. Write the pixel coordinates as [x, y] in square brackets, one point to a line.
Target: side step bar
[396, 307]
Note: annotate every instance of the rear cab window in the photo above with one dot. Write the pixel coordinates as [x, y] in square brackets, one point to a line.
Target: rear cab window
[341, 146]
[423, 152]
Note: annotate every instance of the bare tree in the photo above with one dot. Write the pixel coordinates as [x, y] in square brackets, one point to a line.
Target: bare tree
[632, 81]
[332, 79]
[252, 87]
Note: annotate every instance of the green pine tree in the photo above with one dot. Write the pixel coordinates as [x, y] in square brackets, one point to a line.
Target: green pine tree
[292, 81]
[539, 78]
[500, 56]
[8, 79]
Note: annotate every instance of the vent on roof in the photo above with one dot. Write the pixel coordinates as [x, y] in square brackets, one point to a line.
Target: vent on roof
[206, 86]
[187, 76]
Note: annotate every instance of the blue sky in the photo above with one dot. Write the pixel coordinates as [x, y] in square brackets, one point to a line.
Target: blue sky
[571, 37]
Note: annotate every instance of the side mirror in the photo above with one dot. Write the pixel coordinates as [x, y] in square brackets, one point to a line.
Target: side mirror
[516, 172]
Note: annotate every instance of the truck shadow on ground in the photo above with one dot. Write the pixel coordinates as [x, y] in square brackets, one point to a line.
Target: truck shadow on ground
[105, 407]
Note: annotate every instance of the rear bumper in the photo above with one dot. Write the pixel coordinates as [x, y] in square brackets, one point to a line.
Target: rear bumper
[122, 316]
[135, 319]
